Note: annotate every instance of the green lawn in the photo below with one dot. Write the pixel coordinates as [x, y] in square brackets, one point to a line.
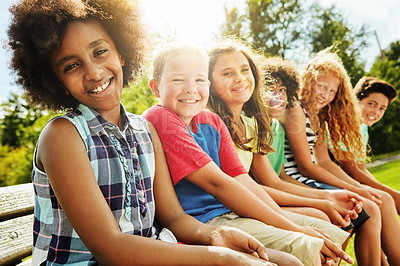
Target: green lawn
[388, 174]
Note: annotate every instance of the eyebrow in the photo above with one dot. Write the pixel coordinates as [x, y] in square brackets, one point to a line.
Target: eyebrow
[230, 68]
[69, 57]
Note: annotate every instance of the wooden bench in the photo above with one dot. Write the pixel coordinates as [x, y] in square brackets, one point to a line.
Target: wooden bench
[16, 223]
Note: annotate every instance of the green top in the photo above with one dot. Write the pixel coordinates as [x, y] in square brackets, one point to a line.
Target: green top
[278, 157]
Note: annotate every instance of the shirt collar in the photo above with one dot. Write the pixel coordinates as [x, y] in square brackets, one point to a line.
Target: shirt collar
[96, 122]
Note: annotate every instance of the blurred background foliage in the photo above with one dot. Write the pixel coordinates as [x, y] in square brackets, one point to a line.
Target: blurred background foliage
[292, 29]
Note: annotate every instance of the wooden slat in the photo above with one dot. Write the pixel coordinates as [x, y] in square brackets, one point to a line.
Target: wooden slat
[16, 201]
[16, 238]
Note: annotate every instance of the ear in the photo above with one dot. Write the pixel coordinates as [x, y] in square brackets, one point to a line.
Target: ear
[154, 88]
[121, 60]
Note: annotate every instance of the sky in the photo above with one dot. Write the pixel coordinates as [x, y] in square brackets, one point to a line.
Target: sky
[198, 21]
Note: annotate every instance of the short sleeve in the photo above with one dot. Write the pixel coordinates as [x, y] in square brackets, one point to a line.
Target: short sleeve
[183, 154]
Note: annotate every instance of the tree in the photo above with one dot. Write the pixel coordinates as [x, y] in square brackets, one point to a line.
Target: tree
[20, 128]
[329, 29]
[275, 25]
[385, 135]
[17, 116]
[138, 96]
[234, 23]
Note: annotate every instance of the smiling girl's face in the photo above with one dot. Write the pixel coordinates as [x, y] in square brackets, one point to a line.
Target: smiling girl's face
[325, 89]
[373, 107]
[89, 66]
[233, 80]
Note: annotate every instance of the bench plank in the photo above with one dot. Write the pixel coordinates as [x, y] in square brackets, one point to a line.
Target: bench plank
[16, 238]
[16, 201]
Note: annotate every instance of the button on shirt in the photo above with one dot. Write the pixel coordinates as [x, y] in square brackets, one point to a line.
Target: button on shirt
[123, 165]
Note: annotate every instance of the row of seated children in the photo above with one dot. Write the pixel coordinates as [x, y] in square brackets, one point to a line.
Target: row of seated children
[94, 167]
[209, 179]
[327, 111]
[231, 94]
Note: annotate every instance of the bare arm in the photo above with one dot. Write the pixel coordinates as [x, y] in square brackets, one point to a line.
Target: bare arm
[360, 173]
[288, 194]
[225, 188]
[323, 159]
[295, 130]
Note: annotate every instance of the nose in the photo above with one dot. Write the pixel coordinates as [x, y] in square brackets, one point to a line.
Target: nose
[240, 78]
[190, 87]
[323, 93]
[93, 71]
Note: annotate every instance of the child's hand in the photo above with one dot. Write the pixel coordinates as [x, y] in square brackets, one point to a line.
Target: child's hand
[329, 249]
[370, 194]
[338, 215]
[236, 239]
[346, 199]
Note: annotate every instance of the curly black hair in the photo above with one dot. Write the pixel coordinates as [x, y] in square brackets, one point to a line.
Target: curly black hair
[38, 26]
[276, 68]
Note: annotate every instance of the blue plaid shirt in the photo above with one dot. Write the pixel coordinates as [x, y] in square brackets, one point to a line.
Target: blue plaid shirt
[123, 164]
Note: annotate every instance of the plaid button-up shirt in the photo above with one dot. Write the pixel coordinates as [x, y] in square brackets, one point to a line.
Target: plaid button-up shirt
[123, 164]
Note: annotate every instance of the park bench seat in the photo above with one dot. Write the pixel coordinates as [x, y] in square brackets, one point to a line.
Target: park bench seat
[16, 223]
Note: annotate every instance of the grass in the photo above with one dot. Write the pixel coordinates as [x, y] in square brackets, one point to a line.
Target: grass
[388, 174]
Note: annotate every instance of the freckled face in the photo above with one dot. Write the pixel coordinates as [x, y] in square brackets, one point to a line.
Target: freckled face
[233, 79]
[373, 107]
[325, 89]
[89, 66]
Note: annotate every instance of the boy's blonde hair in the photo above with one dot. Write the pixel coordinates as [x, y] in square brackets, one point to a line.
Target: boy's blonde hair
[340, 118]
[173, 50]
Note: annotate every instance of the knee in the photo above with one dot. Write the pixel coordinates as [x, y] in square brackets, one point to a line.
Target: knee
[374, 212]
[319, 214]
[386, 198]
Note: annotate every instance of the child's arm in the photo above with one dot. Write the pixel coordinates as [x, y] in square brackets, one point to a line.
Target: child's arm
[322, 158]
[288, 194]
[62, 155]
[170, 214]
[359, 172]
[295, 130]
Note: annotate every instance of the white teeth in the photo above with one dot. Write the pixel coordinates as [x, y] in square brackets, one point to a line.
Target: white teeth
[100, 88]
[188, 101]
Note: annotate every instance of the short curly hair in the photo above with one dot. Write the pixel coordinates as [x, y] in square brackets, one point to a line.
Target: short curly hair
[38, 26]
[276, 68]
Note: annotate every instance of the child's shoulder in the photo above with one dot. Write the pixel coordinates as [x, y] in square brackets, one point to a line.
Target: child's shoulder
[208, 116]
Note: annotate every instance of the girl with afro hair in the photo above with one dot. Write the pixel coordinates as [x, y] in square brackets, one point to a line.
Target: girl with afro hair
[95, 166]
